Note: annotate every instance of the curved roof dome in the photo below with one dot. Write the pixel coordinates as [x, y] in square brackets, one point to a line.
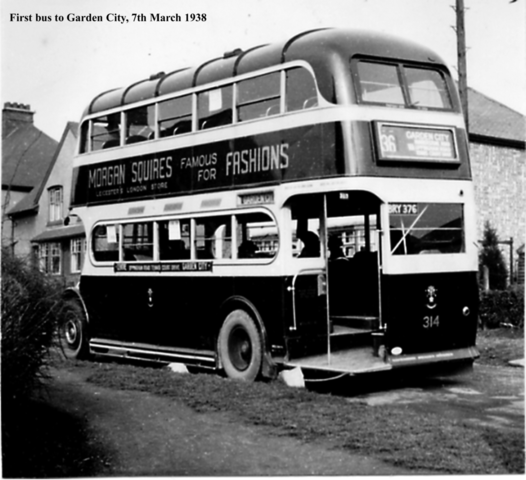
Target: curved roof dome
[326, 50]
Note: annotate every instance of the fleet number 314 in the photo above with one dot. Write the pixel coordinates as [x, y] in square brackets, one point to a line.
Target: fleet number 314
[431, 321]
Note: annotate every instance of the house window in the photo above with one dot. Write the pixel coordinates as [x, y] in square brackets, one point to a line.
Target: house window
[55, 204]
[50, 258]
[77, 248]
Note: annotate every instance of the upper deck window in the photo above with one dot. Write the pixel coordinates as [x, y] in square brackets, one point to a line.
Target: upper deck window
[287, 90]
[175, 116]
[402, 85]
[140, 124]
[84, 137]
[258, 97]
[214, 107]
[380, 83]
[427, 88]
[300, 90]
[105, 132]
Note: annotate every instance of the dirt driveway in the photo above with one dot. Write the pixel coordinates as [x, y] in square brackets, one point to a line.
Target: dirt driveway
[486, 396]
[144, 434]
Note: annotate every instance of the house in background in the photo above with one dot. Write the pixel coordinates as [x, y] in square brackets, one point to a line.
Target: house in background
[58, 244]
[497, 138]
[27, 153]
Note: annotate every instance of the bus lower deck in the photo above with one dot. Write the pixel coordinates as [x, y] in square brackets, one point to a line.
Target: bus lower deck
[330, 281]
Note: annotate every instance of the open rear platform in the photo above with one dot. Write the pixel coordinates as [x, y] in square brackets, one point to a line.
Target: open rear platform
[352, 361]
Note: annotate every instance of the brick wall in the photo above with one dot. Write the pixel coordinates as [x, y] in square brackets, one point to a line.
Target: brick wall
[499, 175]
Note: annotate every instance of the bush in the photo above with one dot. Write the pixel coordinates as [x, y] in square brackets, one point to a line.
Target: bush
[502, 308]
[491, 257]
[30, 301]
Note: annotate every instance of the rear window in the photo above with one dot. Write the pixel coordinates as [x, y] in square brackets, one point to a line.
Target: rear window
[426, 228]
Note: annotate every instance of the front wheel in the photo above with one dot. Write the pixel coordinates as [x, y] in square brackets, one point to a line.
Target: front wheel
[73, 331]
[239, 346]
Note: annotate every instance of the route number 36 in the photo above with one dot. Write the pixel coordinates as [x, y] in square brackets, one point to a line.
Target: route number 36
[431, 321]
[388, 143]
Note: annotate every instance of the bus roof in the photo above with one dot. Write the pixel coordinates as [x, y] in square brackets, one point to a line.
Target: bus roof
[326, 50]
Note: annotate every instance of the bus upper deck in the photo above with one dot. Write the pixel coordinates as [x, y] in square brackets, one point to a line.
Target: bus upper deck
[311, 107]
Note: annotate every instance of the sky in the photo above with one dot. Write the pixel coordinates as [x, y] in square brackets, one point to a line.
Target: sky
[58, 65]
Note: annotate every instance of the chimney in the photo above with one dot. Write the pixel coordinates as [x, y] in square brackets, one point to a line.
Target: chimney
[15, 115]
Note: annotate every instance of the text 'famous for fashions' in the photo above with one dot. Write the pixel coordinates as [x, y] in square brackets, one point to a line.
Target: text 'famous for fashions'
[204, 166]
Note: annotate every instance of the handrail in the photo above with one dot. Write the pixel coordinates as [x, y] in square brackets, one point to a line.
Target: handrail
[292, 288]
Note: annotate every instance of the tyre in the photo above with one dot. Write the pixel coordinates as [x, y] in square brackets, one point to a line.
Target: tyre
[239, 346]
[73, 331]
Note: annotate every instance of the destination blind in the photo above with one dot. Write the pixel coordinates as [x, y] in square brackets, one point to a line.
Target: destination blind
[405, 142]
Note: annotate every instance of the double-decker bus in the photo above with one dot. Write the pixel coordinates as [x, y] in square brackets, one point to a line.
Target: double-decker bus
[301, 204]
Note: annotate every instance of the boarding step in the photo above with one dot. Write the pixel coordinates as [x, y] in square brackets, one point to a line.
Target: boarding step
[356, 321]
[341, 337]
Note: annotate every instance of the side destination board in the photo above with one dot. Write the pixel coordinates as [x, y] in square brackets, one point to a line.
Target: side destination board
[168, 267]
[416, 144]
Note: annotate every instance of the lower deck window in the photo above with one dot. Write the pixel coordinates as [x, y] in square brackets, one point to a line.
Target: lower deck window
[174, 240]
[105, 243]
[257, 236]
[426, 228]
[213, 237]
[137, 241]
[229, 237]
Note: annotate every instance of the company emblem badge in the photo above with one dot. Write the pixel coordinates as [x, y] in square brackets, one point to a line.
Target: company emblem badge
[431, 297]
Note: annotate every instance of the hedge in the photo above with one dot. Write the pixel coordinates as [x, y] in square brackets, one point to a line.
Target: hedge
[30, 305]
[502, 308]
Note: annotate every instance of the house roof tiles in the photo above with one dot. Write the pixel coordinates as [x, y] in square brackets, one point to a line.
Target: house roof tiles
[30, 202]
[26, 155]
[489, 118]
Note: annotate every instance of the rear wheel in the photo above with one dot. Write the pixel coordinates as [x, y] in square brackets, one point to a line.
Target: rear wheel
[73, 331]
[239, 346]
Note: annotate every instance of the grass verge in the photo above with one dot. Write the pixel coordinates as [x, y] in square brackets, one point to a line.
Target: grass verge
[500, 345]
[395, 434]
